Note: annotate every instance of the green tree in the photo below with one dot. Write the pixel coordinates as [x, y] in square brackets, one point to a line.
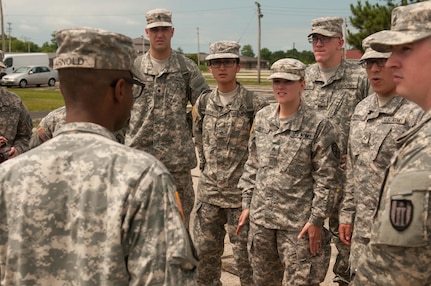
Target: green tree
[247, 51]
[266, 54]
[278, 55]
[368, 19]
[49, 47]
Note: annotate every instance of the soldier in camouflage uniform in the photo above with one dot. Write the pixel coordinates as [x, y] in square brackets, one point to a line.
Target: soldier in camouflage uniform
[15, 122]
[334, 86]
[291, 168]
[51, 122]
[82, 209]
[222, 129]
[47, 126]
[377, 122]
[158, 123]
[399, 252]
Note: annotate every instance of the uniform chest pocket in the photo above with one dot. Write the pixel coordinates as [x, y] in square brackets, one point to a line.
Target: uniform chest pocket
[377, 138]
[404, 219]
[295, 152]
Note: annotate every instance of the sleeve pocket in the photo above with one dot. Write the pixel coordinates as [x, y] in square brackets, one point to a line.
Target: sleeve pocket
[404, 219]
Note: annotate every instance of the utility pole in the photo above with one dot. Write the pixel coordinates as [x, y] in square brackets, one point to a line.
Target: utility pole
[27, 40]
[344, 38]
[3, 44]
[199, 62]
[9, 29]
[259, 15]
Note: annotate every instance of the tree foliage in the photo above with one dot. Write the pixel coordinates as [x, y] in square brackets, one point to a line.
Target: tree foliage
[20, 46]
[368, 19]
[306, 57]
[247, 51]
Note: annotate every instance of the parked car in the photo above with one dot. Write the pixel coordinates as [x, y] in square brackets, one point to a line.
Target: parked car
[30, 75]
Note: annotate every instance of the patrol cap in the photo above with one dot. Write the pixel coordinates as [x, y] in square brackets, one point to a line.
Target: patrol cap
[327, 26]
[288, 68]
[159, 17]
[223, 50]
[408, 24]
[370, 53]
[94, 49]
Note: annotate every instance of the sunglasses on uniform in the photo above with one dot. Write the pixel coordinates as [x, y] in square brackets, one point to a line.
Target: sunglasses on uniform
[314, 39]
[226, 62]
[368, 64]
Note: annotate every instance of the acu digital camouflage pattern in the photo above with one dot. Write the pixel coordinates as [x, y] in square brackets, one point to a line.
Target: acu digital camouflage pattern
[210, 225]
[339, 96]
[15, 121]
[289, 69]
[369, 53]
[399, 252]
[82, 209]
[410, 23]
[95, 49]
[221, 138]
[158, 123]
[292, 264]
[53, 121]
[224, 50]
[372, 143]
[289, 175]
[158, 18]
[337, 99]
[327, 26]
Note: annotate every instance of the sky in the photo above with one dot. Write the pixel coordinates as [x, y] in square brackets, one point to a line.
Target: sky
[285, 24]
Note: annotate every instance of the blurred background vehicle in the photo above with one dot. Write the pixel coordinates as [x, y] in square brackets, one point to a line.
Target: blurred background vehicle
[30, 75]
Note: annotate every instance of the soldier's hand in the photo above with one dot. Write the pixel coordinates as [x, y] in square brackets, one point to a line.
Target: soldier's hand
[314, 233]
[3, 140]
[243, 219]
[345, 231]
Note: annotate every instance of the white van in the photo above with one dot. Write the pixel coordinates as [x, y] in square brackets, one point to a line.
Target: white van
[14, 61]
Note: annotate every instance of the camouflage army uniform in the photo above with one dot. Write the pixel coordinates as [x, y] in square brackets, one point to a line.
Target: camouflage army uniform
[286, 183]
[337, 99]
[221, 137]
[158, 122]
[399, 252]
[53, 121]
[372, 143]
[105, 217]
[15, 121]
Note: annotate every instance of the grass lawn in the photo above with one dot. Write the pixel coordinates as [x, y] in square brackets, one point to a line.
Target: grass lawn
[37, 99]
[41, 99]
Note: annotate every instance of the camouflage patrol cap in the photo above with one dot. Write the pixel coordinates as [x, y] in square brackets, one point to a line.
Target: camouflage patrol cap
[94, 49]
[223, 50]
[327, 26]
[370, 53]
[409, 24]
[158, 18]
[288, 68]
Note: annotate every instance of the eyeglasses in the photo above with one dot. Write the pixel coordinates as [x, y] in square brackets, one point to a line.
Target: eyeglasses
[137, 88]
[161, 29]
[368, 64]
[313, 39]
[226, 62]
